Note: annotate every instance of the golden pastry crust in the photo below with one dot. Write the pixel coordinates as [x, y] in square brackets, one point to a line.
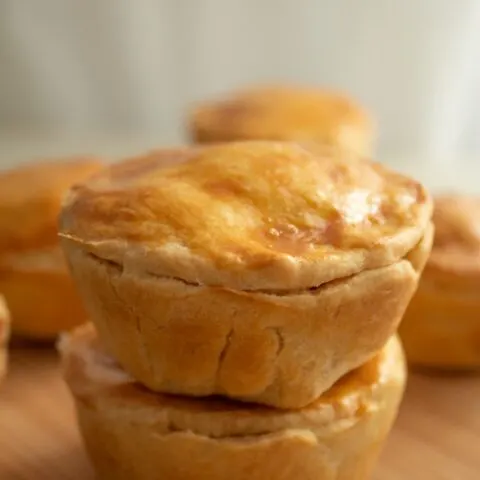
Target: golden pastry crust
[456, 248]
[441, 327]
[188, 331]
[30, 199]
[279, 350]
[4, 334]
[286, 113]
[33, 274]
[250, 216]
[132, 433]
[41, 294]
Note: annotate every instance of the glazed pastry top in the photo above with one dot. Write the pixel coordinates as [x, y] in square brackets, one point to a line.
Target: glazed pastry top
[247, 215]
[283, 113]
[30, 200]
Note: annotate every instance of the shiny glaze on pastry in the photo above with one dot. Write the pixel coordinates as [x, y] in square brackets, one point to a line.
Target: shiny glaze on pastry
[251, 215]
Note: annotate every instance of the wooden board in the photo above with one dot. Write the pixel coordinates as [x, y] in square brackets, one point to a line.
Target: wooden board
[436, 437]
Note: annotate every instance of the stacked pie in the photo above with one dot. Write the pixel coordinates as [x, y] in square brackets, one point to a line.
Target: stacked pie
[33, 274]
[245, 299]
[286, 113]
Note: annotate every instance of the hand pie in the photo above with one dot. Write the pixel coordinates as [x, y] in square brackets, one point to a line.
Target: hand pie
[131, 433]
[442, 325]
[286, 113]
[225, 273]
[33, 274]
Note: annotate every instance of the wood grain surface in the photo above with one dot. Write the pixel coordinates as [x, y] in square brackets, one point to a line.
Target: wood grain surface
[436, 437]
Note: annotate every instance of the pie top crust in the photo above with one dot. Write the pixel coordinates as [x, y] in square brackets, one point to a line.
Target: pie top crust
[283, 113]
[249, 215]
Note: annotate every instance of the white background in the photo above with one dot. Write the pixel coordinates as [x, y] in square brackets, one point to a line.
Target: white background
[104, 74]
